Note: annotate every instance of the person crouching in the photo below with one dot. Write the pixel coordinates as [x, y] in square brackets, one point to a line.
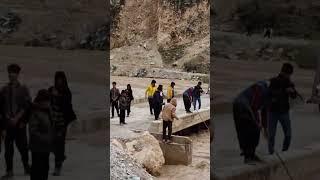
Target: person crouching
[41, 135]
[168, 115]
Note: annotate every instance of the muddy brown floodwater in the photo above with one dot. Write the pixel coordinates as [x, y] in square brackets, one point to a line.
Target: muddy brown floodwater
[200, 166]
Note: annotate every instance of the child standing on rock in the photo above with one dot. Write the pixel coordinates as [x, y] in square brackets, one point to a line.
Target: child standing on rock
[168, 115]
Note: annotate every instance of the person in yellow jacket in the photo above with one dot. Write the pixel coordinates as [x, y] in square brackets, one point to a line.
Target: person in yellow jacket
[170, 92]
[151, 89]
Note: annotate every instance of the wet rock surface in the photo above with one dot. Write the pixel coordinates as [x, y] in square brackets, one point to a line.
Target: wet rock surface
[123, 166]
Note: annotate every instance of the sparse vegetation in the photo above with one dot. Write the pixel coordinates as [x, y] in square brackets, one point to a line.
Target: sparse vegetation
[171, 54]
[196, 65]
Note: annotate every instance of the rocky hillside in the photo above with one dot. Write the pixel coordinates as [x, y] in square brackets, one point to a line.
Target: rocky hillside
[160, 33]
[291, 18]
[64, 24]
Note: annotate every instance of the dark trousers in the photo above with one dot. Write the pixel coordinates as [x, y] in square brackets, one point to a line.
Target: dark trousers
[40, 166]
[187, 103]
[157, 111]
[129, 109]
[195, 99]
[284, 120]
[247, 130]
[122, 115]
[19, 137]
[114, 104]
[167, 124]
[150, 99]
[60, 148]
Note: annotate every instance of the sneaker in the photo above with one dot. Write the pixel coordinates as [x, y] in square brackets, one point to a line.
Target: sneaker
[189, 112]
[124, 123]
[112, 117]
[57, 172]
[8, 175]
[164, 141]
[128, 115]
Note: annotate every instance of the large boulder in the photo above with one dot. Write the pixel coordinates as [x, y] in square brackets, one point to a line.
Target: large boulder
[147, 151]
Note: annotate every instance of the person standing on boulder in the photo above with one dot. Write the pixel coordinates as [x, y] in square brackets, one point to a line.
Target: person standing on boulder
[282, 89]
[196, 95]
[151, 89]
[114, 98]
[124, 103]
[187, 99]
[248, 123]
[131, 98]
[62, 115]
[41, 135]
[158, 102]
[16, 102]
[170, 92]
[168, 115]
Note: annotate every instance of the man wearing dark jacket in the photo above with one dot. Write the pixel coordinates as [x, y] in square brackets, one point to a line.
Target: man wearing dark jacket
[16, 103]
[196, 95]
[282, 88]
[246, 107]
[158, 102]
[114, 98]
[187, 99]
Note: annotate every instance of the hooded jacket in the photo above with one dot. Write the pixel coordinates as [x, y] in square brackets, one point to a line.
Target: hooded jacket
[41, 129]
[169, 110]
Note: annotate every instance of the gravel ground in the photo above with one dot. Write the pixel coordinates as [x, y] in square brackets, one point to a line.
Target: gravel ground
[125, 167]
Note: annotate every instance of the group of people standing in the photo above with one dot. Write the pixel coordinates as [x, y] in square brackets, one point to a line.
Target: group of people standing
[121, 102]
[155, 97]
[47, 118]
[260, 107]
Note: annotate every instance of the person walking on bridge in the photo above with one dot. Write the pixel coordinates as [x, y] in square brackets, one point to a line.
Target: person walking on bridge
[158, 102]
[16, 107]
[282, 89]
[41, 135]
[168, 115]
[62, 115]
[196, 95]
[124, 103]
[114, 98]
[151, 89]
[131, 98]
[187, 99]
[248, 124]
[170, 92]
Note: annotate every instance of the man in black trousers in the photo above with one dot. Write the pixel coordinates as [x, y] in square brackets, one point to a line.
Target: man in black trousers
[16, 103]
[114, 98]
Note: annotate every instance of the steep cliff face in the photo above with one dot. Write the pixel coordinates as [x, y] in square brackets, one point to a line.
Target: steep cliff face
[157, 33]
[166, 21]
[292, 18]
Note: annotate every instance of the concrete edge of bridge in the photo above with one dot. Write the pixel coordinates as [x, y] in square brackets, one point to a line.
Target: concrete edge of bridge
[184, 121]
[298, 163]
